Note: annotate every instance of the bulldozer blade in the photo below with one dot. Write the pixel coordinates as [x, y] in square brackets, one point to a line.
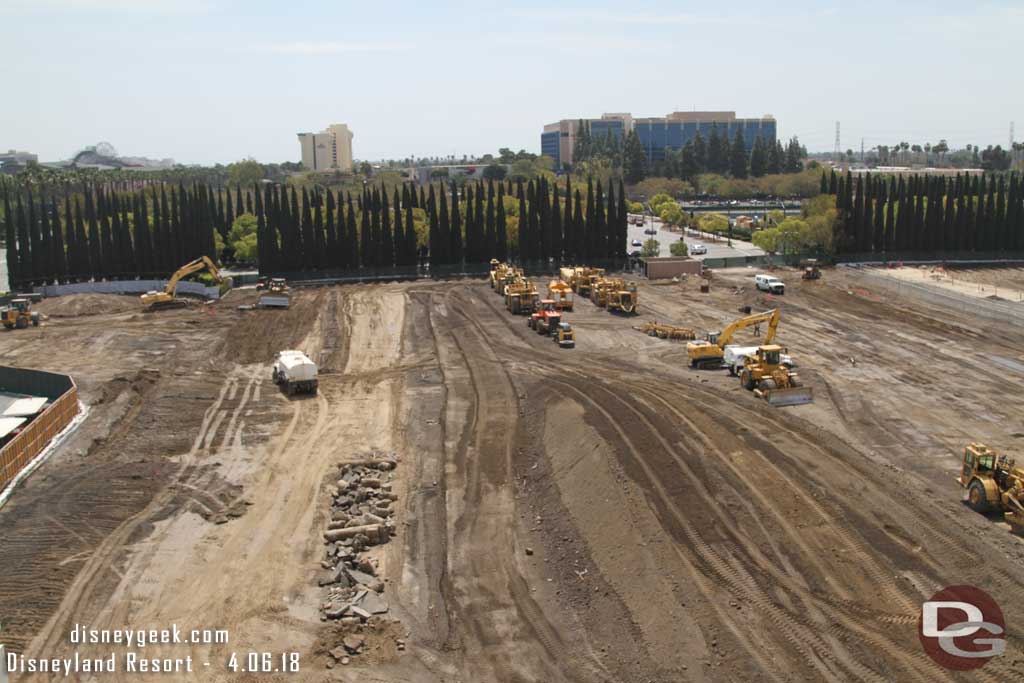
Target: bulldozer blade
[795, 396]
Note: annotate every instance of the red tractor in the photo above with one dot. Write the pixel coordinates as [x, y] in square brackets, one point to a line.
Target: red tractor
[546, 318]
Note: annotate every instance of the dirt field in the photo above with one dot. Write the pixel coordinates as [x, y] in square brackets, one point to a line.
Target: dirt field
[596, 514]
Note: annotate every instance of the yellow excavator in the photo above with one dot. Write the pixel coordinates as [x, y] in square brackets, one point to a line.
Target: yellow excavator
[709, 353]
[166, 299]
[994, 483]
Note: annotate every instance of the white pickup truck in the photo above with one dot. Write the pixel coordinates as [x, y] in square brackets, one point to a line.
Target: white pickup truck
[295, 372]
[734, 356]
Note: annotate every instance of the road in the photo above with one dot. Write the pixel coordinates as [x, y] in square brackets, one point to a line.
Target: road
[716, 249]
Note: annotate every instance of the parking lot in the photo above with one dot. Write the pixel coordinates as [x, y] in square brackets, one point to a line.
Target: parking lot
[719, 248]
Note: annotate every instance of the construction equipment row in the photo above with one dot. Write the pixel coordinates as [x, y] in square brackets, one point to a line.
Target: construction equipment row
[662, 331]
[522, 298]
[615, 294]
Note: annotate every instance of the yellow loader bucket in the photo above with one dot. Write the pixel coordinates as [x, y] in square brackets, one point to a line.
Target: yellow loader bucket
[795, 396]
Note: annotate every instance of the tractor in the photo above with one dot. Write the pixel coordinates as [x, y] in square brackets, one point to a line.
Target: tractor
[19, 314]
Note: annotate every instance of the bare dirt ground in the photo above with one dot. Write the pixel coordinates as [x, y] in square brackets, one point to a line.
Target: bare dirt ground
[597, 514]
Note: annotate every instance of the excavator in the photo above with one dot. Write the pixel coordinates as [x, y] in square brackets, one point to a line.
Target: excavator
[709, 353]
[766, 366]
[166, 299]
[994, 483]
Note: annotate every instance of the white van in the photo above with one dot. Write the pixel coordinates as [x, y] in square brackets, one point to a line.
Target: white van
[769, 283]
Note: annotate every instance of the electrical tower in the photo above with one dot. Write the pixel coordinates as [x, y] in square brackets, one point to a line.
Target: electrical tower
[838, 149]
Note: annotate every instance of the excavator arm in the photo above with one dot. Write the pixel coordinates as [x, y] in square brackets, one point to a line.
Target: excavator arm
[189, 268]
[771, 317]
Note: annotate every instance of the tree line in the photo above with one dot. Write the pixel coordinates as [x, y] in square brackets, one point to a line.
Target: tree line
[928, 213]
[99, 232]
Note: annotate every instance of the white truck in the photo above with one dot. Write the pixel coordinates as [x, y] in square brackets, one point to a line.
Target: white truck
[769, 283]
[734, 355]
[295, 372]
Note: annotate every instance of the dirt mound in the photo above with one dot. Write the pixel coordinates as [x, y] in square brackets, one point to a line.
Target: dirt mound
[78, 305]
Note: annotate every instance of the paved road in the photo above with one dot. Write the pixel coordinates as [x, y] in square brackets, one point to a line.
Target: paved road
[716, 249]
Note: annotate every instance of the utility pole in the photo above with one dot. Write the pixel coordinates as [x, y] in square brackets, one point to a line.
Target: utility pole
[838, 149]
[862, 150]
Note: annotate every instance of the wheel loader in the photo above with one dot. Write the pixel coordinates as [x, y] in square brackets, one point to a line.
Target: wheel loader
[994, 483]
[565, 336]
[765, 375]
[19, 315]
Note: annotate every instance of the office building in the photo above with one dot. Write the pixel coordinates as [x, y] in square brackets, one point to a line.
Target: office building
[656, 134]
[328, 150]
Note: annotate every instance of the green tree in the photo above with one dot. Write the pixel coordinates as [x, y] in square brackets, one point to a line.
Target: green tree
[651, 248]
[718, 158]
[495, 171]
[672, 214]
[714, 223]
[635, 159]
[658, 200]
[245, 173]
[679, 248]
[738, 156]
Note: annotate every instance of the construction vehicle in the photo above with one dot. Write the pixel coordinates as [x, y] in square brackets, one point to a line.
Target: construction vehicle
[709, 353]
[810, 268]
[600, 288]
[506, 277]
[994, 483]
[568, 276]
[166, 299]
[498, 271]
[294, 372]
[561, 292]
[565, 336]
[766, 367]
[19, 314]
[662, 331]
[521, 296]
[585, 278]
[735, 356]
[277, 294]
[623, 298]
[546, 317]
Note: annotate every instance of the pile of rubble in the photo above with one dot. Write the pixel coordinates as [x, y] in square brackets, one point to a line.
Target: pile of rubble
[362, 508]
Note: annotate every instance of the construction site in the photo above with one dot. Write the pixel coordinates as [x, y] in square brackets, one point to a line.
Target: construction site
[563, 478]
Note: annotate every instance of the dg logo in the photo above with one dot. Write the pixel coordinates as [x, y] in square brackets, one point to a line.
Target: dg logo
[962, 628]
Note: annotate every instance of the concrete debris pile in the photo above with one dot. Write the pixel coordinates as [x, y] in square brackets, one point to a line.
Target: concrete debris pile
[362, 508]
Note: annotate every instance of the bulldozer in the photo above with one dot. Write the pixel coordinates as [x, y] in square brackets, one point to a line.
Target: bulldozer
[623, 298]
[561, 293]
[565, 336]
[166, 299]
[810, 269]
[766, 367]
[709, 353]
[994, 483]
[19, 314]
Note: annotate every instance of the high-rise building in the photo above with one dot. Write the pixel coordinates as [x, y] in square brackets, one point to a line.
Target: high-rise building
[656, 134]
[328, 150]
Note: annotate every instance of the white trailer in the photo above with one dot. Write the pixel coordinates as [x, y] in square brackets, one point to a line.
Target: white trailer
[295, 372]
[734, 356]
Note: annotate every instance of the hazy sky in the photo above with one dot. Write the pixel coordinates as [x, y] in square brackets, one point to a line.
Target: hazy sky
[218, 80]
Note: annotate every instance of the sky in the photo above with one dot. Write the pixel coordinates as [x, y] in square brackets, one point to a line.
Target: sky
[208, 81]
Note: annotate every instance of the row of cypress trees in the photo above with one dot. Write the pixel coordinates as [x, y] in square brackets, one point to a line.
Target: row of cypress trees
[927, 213]
[102, 233]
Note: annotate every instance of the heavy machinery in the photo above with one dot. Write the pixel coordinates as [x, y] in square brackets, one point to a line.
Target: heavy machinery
[561, 292]
[708, 353]
[295, 372]
[565, 336]
[662, 331]
[568, 276]
[585, 278]
[546, 318]
[521, 296]
[277, 294]
[506, 277]
[601, 287]
[623, 298]
[498, 271]
[994, 483]
[765, 375]
[19, 314]
[166, 299]
[810, 268]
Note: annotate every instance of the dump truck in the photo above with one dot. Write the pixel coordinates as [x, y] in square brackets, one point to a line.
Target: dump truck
[19, 314]
[709, 353]
[565, 336]
[167, 298]
[765, 375]
[561, 293]
[663, 331]
[994, 483]
[295, 373]
[277, 294]
[623, 298]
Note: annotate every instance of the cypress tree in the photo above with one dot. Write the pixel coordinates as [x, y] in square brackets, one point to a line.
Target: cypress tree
[387, 244]
[229, 213]
[918, 230]
[543, 219]
[63, 249]
[435, 240]
[823, 188]
[399, 232]
[308, 238]
[948, 225]
[351, 240]
[11, 243]
[444, 230]
[84, 265]
[248, 202]
[44, 259]
[500, 227]
[479, 238]
[296, 248]
[568, 232]
[1013, 214]
[611, 227]
[589, 233]
[95, 244]
[579, 227]
[375, 228]
[556, 227]
[878, 234]
[738, 156]
[832, 182]
[366, 245]
[1000, 216]
[532, 207]
[758, 159]
[490, 236]
[117, 263]
[990, 216]
[143, 240]
[622, 216]
[331, 250]
[33, 254]
[411, 242]
[523, 247]
[317, 259]
[599, 235]
[455, 247]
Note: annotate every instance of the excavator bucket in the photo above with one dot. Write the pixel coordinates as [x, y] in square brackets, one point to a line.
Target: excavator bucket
[793, 396]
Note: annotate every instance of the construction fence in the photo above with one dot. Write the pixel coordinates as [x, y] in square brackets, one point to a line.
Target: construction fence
[63, 407]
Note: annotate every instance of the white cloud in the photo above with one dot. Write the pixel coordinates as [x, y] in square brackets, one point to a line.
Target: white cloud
[620, 16]
[119, 6]
[316, 49]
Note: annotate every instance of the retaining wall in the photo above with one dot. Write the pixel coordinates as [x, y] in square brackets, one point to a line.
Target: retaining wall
[128, 287]
[63, 394]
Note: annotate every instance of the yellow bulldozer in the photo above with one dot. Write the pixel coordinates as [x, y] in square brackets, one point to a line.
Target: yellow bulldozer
[623, 298]
[167, 299]
[19, 314]
[709, 353]
[994, 483]
[765, 375]
[561, 293]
